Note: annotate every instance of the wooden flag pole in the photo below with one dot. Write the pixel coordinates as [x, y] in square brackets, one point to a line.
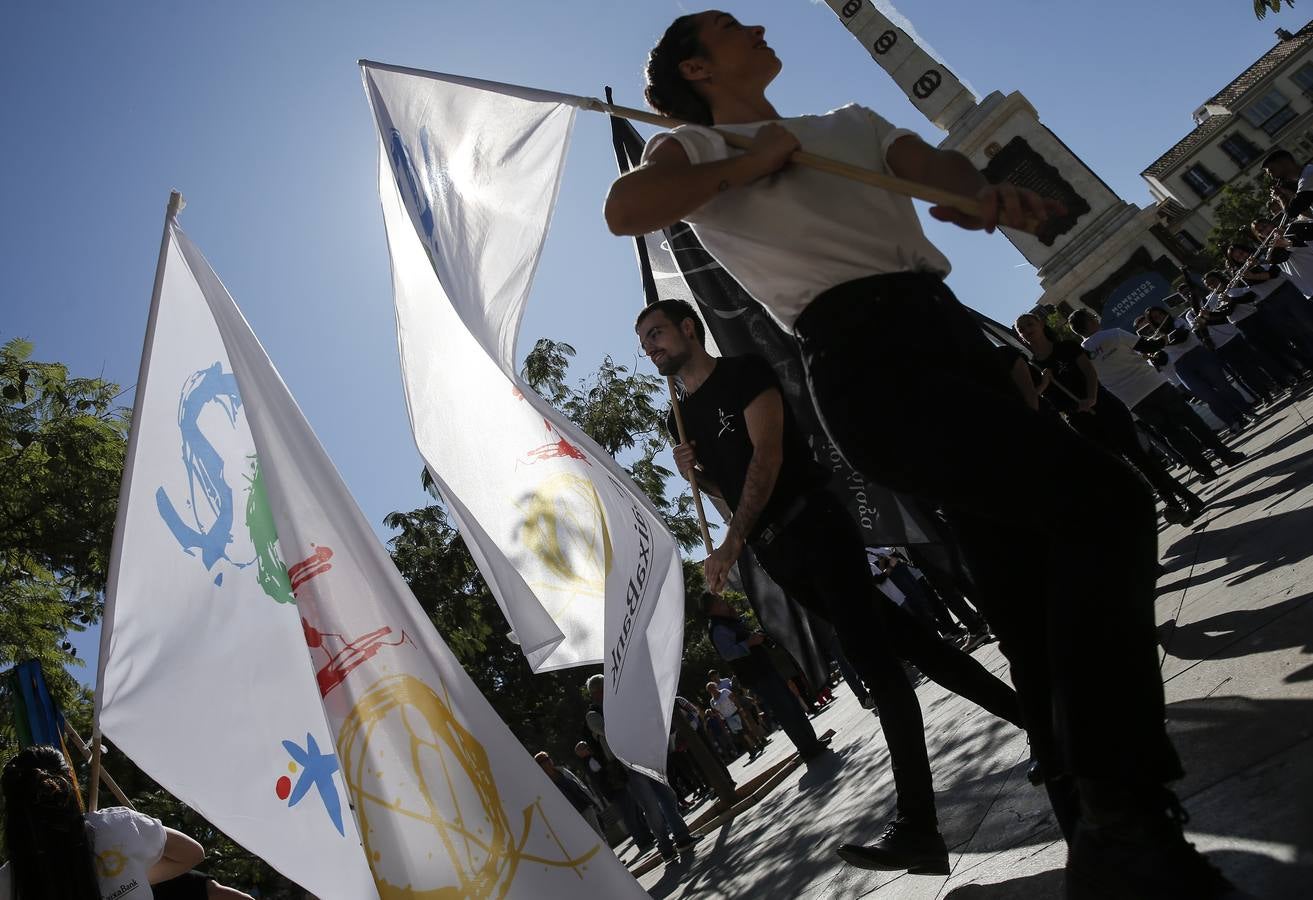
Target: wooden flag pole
[891, 183]
[98, 772]
[692, 475]
[170, 214]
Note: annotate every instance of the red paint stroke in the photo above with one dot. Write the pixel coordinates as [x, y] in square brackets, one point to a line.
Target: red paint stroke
[353, 653]
[316, 563]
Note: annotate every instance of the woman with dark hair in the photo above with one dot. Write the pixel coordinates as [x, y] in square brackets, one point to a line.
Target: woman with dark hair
[847, 269]
[1072, 386]
[57, 852]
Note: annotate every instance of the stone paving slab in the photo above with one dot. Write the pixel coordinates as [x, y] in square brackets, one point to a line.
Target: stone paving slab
[1235, 610]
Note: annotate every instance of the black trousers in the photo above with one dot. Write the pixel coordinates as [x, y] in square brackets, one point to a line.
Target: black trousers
[1166, 410]
[819, 560]
[1060, 535]
[1110, 426]
[773, 691]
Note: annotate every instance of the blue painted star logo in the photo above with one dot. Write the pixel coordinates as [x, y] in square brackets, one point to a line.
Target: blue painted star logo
[317, 771]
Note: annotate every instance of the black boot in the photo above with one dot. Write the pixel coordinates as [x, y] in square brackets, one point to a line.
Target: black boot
[1129, 844]
[918, 849]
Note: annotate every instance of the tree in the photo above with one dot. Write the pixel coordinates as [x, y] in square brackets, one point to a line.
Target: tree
[1240, 204]
[1261, 7]
[62, 445]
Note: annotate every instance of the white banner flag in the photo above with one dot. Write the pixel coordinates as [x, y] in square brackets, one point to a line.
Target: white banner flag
[445, 799]
[580, 562]
[204, 681]
[448, 802]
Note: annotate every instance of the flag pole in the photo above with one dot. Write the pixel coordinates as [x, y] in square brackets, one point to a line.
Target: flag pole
[891, 183]
[650, 297]
[175, 206]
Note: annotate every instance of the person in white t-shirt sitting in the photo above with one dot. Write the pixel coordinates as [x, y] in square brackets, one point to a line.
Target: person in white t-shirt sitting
[1116, 355]
[56, 852]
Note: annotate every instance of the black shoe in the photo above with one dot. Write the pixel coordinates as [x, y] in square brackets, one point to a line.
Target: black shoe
[1232, 458]
[821, 746]
[1194, 506]
[1207, 477]
[917, 849]
[669, 856]
[687, 848]
[1144, 854]
[1035, 772]
[1177, 515]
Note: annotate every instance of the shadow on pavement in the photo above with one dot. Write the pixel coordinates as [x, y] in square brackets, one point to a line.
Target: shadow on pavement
[1267, 543]
[1238, 632]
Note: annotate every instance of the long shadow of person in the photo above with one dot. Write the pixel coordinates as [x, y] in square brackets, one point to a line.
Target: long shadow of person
[1242, 632]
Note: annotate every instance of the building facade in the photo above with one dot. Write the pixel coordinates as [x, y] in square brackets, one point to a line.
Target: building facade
[1267, 106]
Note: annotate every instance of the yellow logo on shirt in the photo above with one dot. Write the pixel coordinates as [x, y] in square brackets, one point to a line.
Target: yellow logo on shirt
[110, 863]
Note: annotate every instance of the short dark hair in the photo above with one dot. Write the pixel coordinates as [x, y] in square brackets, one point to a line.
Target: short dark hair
[667, 90]
[1215, 273]
[1080, 318]
[705, 602]
[676, 311]
[1277, 156]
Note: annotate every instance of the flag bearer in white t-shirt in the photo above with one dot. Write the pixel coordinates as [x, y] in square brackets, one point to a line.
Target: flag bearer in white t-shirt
[847, 269]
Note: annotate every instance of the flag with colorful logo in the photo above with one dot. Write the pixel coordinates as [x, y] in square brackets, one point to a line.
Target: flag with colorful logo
[204, 680]
[579, 560]
[448, 802]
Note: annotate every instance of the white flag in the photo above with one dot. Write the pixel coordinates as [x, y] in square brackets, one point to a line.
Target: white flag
[204, 681]
[447, 801]
[579, 560]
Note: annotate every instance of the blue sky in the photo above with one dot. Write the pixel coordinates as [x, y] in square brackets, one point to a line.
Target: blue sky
[255, 111]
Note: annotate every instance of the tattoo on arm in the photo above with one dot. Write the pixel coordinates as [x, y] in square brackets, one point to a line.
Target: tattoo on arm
[765, 421]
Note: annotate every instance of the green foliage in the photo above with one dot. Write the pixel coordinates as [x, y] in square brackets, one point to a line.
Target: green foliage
[1261, 7]
[1240, 204]
[62, 444]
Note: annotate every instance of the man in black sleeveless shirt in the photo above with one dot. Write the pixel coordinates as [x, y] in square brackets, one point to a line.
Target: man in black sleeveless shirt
[746, 448]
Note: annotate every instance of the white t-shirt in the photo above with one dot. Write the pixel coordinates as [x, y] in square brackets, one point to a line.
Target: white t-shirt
[1179, 349]
[725, 705]
[126, 845]
[1299, 269]
[1240, 311]
[1122, 370]
[794, 234]
[1220, 335]
[1264, 288]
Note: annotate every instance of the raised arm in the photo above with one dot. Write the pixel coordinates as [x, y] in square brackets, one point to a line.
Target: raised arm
[1001, 204]
[669, 187]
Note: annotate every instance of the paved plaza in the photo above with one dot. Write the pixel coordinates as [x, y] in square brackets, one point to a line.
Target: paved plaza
[1236, 626]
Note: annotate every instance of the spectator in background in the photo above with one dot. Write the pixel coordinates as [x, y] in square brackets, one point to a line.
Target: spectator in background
[579, 796]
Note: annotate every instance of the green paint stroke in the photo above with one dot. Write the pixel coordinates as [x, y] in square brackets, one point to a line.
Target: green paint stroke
[270, 572]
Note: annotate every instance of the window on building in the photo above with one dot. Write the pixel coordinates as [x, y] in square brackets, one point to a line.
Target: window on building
[1303, 76]
[1201, 181]
[1270, 112]
[1241, 150]
[1189, 241]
